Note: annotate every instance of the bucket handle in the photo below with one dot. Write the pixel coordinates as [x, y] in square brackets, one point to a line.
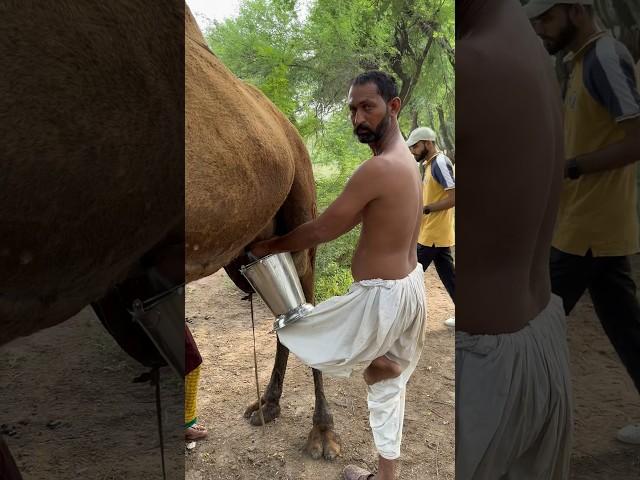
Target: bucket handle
[251, 256]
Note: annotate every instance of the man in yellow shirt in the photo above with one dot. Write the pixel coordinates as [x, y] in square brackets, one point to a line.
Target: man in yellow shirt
[597, 224]
[438, 191]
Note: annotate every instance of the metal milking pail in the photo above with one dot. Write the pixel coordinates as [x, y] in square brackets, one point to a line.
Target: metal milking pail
[275, 279]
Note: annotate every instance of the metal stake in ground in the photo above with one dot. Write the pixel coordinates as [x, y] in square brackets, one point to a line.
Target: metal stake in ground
[255, 360]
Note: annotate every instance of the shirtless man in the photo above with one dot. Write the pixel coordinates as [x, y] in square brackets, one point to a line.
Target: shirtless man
[513, 402]
[380, 321]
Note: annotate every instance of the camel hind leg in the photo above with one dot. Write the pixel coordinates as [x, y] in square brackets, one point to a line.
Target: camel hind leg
[300, 207]
[271, 398]
[322, 440]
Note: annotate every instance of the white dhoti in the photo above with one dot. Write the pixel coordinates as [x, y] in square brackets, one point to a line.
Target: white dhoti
[374, 318]
[513, 402]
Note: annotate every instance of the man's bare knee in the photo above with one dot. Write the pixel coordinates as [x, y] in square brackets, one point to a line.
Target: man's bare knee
[381, 368]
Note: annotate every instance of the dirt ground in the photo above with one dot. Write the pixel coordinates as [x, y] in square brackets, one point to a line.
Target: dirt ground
[68, 408]
[221, 324]
[605, 399]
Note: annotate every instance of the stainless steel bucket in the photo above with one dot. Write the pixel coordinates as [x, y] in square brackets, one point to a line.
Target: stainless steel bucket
[162, 319]
[275, 279]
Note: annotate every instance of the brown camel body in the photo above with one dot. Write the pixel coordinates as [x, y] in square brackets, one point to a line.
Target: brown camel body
[248, 176]
[91, 109]
[91, 142]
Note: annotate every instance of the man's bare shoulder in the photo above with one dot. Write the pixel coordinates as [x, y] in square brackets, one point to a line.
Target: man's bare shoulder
[480, 75]
[473, 51]
[478, 90]
[506, 50]
[381, 171]
[489, 71]
[374, 166]
[491, 65]
[366, 176]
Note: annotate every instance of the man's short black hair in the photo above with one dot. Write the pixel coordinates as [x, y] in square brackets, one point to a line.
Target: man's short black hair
[386, 84]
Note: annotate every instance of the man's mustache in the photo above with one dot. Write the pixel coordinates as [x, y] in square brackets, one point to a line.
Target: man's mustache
[363, 130]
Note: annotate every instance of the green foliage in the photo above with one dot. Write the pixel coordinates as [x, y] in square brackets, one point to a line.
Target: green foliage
[305, 64]
[260, 46]
[336, 154]
[411, 39]
[332, 279]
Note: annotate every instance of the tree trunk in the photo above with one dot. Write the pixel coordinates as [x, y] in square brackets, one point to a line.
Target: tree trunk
[432, 120]
[445, 134]
[622, 17]
[414, 119]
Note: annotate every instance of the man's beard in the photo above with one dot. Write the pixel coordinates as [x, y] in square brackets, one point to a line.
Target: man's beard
[421, 156]
[366, 135]
[561, 42]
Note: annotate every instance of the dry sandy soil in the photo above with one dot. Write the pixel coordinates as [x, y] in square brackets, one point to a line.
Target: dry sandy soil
[605, 399]
[221, 323]
[69, 410]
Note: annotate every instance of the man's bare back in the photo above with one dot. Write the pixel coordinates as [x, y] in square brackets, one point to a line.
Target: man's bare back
[391, 221]
[509, 137]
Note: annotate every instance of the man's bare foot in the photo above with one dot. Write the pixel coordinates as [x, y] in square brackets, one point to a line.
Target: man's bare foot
[381, 369]
[196, 432]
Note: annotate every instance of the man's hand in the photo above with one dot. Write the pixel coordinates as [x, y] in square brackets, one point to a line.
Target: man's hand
[445, 204]
[616, 155]
[262, 248]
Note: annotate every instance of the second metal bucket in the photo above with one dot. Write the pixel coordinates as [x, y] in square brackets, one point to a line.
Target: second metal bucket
[275, 279]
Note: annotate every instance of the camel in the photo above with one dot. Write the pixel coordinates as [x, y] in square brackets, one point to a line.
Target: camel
[268, 189]
[92, 149]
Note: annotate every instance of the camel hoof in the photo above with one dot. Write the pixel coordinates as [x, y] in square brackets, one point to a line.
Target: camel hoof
[330, 445]
[271, 411]
[252, 408]
[322, 443]
[314, 443]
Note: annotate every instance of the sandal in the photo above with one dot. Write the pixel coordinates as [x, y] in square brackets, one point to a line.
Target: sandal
[351, 472]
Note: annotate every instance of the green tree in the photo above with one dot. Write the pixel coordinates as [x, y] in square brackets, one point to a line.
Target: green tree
[261, 46]
[304, 65]
[413, 40]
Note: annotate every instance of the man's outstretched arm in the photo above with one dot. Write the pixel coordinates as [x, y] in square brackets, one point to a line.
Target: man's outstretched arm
[339, 217]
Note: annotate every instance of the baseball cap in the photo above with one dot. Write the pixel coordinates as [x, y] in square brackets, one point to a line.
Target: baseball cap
[421, 133]
[535, 8]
